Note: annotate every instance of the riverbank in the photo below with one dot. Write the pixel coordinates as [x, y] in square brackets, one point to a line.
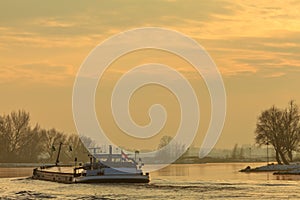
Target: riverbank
[189, 160]
[197, 160]
[274, 168]
[21, 165]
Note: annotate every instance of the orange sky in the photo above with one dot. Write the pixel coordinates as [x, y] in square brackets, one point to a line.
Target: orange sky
[255, 45]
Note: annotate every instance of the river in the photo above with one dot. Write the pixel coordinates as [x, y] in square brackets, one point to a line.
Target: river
[189, 181]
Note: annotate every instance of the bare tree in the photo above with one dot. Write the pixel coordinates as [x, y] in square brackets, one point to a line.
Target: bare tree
[21, 142]
[175, 150]
[281, 129]
[51, 140]
[79, 145]
[14, 129]
[234, 153]
[164, 141]
[291, 129]
[2, 138]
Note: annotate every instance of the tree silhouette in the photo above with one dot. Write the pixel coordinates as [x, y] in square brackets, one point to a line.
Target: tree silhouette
[234, 151]
[291, 129]
[281, 129]
[175, 150]
[22, 142]
[51, 138]
[13, 131]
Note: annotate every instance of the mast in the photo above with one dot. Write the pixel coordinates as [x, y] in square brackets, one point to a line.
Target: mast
[110, 154]
[57, 158]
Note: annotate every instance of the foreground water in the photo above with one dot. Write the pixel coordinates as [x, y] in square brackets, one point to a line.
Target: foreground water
[196, 181]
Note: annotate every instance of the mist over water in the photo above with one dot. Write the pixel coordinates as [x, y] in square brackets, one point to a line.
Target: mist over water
[189, 181]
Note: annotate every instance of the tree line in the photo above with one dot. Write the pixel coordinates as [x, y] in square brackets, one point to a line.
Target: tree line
[20, 142]
[281, 129]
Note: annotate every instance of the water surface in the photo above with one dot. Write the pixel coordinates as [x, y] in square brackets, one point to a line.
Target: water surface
[195, 181]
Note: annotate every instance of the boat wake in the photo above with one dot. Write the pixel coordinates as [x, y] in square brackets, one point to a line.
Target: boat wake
[28, 194]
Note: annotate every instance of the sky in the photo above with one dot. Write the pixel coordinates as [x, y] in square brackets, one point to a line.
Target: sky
[255, 45]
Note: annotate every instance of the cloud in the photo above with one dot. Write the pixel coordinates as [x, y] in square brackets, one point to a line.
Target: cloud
[13, 37]
[248, 37]
[241, 36]
[54, 23]
[275, 75]
[42, 73]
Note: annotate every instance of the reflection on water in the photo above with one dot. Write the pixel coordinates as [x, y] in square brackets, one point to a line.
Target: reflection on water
[192, 181]
[15, 172]
[174, 170]
[287, 177]
[188, 172]
[213, 172]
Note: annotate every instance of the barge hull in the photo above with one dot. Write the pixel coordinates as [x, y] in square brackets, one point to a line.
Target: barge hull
[111, 179]
[70, 178]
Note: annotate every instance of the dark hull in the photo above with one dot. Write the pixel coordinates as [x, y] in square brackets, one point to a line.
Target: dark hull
[113, 179]
[53, 176]
[116, 181]
[70, 178]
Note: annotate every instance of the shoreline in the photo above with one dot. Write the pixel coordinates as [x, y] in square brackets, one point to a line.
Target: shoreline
[276, 168]
[32, 165]
[21, 165]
